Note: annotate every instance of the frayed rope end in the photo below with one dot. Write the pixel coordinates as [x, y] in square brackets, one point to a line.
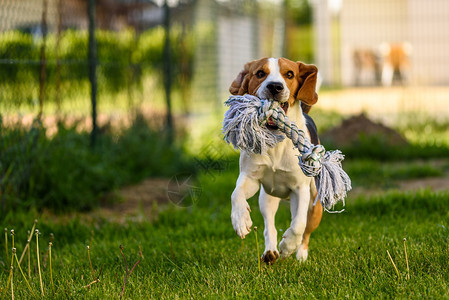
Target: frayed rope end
[332, 182]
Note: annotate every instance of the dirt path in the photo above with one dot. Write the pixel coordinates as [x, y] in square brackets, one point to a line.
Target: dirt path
[434, 183]
[137, 202]
[142, 201]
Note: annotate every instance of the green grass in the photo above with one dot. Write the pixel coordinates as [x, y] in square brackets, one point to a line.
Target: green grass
[194, 253]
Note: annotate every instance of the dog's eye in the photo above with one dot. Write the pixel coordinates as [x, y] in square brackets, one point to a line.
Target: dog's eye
[260, 74]
[290, 75]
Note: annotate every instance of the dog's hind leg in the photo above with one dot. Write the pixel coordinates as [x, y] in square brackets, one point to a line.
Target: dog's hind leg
[314, 216]
[268, 207]
[245, 188]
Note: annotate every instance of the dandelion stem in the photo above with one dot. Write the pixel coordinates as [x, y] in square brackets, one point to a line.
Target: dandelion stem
[6, 244]
[10, 277]
[24, 277]
[29, 262]
[7, 284]
[12, 267]
[90, 262]
[12, 236]
[38, 262]
[49, 262]
[406, 260]
[12, 283]
[30, 236]
[258, 253]
[394, 265]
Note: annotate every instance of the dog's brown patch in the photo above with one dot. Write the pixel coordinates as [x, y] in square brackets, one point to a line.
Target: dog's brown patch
[313, 220]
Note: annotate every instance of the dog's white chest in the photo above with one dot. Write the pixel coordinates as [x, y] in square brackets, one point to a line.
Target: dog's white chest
[282, 172]
[278, 170]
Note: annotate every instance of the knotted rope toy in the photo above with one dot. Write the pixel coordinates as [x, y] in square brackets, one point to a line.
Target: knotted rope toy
[244, 126]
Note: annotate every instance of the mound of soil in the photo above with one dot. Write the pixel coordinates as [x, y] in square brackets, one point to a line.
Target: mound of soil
[352, 129]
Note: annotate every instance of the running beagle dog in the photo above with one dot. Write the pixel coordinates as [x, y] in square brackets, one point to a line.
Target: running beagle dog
[277, 172]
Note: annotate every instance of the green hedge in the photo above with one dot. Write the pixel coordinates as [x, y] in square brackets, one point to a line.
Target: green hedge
[19, 47]
[122, 58]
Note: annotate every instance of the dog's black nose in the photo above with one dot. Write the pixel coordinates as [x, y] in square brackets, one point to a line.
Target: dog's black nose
[275, 87]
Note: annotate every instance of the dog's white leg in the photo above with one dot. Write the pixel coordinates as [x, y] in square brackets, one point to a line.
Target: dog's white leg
[268, 206]
[387, 75]
[246, 188]
[299, 205]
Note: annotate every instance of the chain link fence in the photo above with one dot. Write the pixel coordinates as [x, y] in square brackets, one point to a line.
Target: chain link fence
[66, 75]
[44, 59]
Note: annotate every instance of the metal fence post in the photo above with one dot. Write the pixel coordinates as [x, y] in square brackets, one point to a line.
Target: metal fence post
[58, 61]
[92, 59]
[168, 70]
[42, 74]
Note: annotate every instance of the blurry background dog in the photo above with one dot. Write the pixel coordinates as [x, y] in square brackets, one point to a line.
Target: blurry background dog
[387, 65]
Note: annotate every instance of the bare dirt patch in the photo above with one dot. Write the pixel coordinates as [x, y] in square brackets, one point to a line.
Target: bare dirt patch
[436, 184]
[136, 203]
[139, 201]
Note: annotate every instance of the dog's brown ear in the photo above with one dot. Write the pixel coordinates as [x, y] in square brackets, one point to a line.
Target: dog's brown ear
[307, 78]
[305, 108]
[240, 84]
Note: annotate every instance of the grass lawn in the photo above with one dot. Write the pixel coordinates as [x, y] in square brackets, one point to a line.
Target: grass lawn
[193, 252]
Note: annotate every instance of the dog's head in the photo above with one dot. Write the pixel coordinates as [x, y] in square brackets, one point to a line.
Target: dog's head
[279, 79]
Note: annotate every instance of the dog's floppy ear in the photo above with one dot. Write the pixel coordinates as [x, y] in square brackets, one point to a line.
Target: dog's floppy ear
[240, 84]
[307, 78]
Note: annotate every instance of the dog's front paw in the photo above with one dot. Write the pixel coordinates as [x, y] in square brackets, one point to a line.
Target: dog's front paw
[270, 257]
[289, 244]
[241, 220]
